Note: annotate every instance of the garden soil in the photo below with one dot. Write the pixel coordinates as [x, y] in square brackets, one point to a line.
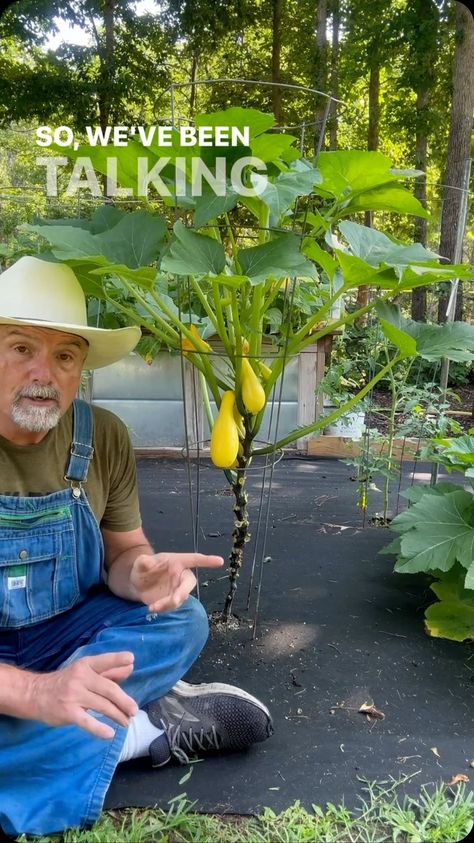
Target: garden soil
[357, 689]
[461, 409]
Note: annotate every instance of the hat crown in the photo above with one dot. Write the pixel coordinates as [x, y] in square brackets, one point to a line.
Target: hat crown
[34, 289]
[48, 295]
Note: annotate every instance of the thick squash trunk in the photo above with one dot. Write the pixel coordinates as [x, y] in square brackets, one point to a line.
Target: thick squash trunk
[240, 535]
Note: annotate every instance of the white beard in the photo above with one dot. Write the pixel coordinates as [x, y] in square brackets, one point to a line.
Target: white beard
[35, 418]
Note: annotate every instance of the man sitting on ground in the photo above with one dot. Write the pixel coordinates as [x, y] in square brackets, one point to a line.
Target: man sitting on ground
[96, 629]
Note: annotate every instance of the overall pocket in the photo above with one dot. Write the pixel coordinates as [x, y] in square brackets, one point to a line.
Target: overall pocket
[38, 566]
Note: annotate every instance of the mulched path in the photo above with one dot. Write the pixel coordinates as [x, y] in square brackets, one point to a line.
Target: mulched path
[337, 631]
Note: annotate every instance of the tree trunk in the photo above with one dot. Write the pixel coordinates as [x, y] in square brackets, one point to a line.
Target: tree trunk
[459, 143]
[193, 88]
[333, 123]
[320, 64]
[423, 56]
[106, 78]
[420, 228]
[276, 59]
[107, 66]
[372, 144]
[374, 107]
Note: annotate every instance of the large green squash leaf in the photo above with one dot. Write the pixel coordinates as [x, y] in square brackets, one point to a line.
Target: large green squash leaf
[415, 493]
[68, 241]
[280, 194]
[451, 619]
[418, 274]
[314, 251]
[82, 269]
[357, 271]
[454, 340]
[190, 253]
[391, 549]
[375, 247]
[362, 180]
[409, 518]
[280, 258]
[457, 453]
[136, 240]
[125, 161]
[144, 276]
[210, 205]
[269, 147]
[386, 198]
[403, 341]
[453, 616]
[103, 218]
[437, 531]
[348, 171]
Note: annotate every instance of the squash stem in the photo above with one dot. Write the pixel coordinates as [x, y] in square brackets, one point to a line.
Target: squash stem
[240, 534]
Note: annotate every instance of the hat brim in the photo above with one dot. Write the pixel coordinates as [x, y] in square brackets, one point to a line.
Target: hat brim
[106, 345]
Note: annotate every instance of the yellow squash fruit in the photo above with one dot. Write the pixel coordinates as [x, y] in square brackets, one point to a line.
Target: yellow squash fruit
[225, 435]
[253, 394]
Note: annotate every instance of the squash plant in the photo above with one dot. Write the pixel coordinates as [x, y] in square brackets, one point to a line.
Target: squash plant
[233, 262]
[437, 538]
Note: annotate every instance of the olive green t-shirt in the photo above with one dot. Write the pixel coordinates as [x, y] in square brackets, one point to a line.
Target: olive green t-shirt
[110, 487]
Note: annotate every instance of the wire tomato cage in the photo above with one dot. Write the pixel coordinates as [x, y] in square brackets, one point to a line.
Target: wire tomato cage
[264, 464]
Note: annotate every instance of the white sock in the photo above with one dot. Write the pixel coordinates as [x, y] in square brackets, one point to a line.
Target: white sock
[141, 733]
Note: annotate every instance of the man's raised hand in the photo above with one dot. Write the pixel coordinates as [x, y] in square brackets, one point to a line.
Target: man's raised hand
[163, 581]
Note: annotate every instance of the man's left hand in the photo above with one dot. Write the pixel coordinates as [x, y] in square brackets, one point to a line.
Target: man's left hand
[163, 581]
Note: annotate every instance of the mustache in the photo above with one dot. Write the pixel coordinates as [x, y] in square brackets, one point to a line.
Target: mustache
[36, 390]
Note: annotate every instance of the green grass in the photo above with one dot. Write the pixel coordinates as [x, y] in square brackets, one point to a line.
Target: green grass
[442, 816]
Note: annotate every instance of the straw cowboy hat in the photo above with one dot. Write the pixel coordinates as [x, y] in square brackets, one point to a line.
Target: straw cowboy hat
[48, 295]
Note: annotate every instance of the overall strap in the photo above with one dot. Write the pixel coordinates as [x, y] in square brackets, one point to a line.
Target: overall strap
[81, 446]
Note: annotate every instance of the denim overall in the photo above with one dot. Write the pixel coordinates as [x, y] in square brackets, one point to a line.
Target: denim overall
[54, 608]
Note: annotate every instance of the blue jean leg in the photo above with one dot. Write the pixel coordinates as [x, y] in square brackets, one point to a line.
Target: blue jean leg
[56, 778]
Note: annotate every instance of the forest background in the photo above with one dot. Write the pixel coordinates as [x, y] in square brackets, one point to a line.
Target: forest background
[402, 69]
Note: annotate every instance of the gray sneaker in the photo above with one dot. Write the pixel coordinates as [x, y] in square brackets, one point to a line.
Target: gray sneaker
[211, 717]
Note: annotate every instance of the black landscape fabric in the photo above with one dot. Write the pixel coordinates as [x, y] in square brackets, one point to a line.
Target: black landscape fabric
[336, 629]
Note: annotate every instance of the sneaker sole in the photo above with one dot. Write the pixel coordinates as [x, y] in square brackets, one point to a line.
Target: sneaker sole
[184, 689]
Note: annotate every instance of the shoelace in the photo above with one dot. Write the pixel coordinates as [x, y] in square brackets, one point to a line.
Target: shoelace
[192, 740]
